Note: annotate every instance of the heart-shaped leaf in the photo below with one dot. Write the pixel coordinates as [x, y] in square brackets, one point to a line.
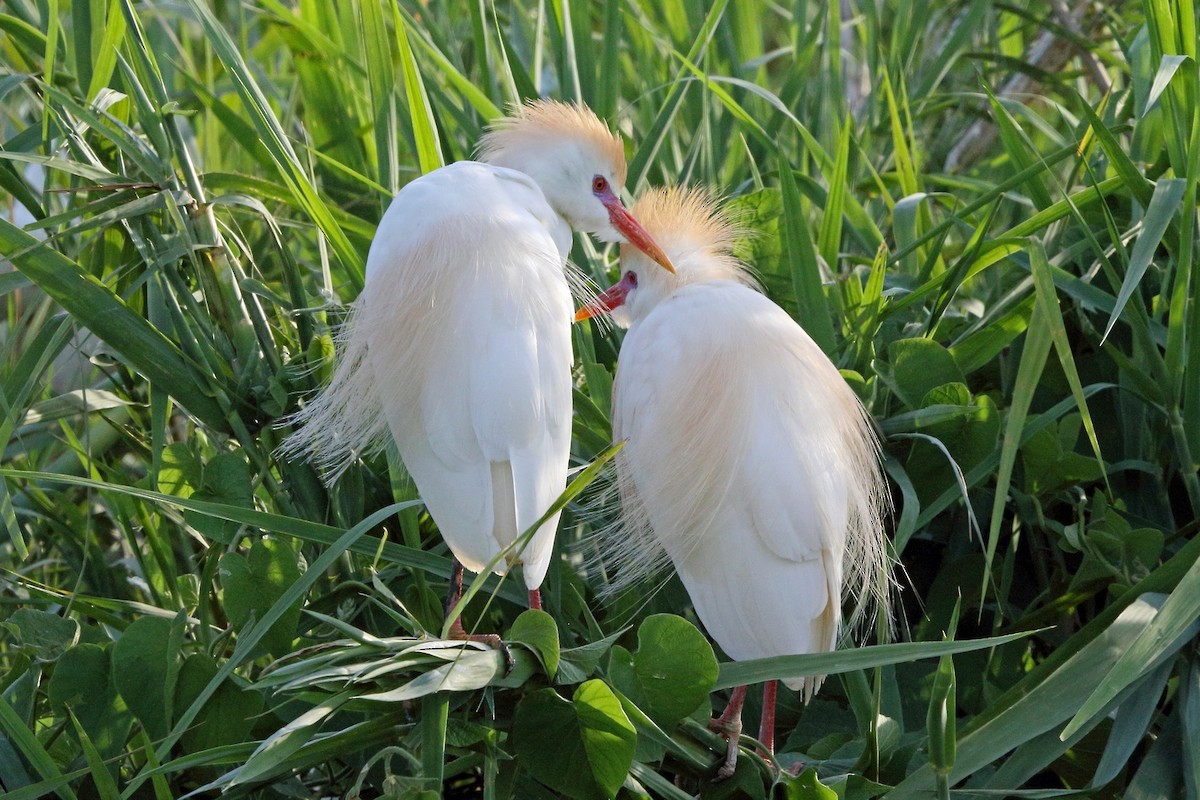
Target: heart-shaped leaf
[536, 630]
[145, 666]
[672, 672]
[581, 749]
[253, 583]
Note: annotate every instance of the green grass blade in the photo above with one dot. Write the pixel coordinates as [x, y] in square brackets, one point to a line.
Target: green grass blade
[652, 138]
[741, 673]
[1047, 300]
[813, 311]
[429, 152]
[27, 744]
[1164, 203]
[1175, 623]
[1037, 349]
[829, 238]
[106, 787]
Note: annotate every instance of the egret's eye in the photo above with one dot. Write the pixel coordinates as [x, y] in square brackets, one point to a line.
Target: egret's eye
[599, 184]
[631, 278]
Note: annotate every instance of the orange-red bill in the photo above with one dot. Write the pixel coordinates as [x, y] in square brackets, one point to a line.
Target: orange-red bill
[632, 230]
[610, 298]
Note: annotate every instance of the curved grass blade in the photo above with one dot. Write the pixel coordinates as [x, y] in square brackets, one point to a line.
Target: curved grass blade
[741, 673]
[1164, 203]
[1037, 349]
[1175, 623]
[1047, 299]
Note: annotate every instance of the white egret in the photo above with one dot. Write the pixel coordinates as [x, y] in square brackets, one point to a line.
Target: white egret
[750, 463]
[459, 344]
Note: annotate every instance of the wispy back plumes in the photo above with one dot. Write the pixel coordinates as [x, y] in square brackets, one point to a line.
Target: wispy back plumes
[345, 422]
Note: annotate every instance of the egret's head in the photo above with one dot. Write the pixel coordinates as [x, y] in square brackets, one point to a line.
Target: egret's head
[578, 163]
[698, 238]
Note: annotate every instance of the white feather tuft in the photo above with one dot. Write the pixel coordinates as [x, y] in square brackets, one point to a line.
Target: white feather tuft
[345, 422]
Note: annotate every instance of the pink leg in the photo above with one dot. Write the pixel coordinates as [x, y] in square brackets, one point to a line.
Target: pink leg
[766, 730]
[729, 725]
[535, 598]
[457, 632]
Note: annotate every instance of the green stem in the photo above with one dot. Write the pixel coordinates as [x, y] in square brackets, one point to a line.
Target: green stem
[435, 713]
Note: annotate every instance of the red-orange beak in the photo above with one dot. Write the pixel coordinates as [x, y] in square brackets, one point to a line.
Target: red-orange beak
[632, 230]
[612, 297]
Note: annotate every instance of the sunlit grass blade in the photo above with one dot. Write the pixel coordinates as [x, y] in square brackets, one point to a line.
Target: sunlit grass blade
[429, 153]
[829, 238]
[1019, 150]
[652, 138]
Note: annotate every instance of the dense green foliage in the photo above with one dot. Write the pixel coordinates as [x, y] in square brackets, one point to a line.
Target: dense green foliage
[984, 212]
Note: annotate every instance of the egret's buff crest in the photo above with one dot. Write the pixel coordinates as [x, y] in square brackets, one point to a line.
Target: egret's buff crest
[538, 123]
[711, 442]
[690, 225]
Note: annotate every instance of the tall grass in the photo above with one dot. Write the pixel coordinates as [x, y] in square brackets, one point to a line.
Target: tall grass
[985, 213]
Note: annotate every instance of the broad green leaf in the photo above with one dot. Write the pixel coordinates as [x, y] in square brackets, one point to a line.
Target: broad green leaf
[608, 736]
[920, 365]
[83, 681]
[581, 749]
[228, 715]
[806, 786]
[48, 635]
[671, 673]
[536, 630]
[145, 669]
[253, 583]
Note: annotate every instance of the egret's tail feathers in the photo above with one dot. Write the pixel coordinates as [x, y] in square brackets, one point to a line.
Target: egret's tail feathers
[868, 584]
[345, 421]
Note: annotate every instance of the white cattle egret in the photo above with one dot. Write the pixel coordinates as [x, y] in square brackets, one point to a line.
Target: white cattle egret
[749, 462]
[460, 343]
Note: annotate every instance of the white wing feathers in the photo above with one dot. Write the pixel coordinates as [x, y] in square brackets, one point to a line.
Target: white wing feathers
[737, 432]
[463, 347]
